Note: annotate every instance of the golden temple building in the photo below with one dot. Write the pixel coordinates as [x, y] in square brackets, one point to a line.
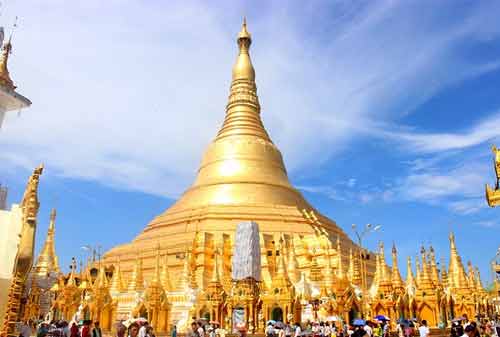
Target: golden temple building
[179, 268]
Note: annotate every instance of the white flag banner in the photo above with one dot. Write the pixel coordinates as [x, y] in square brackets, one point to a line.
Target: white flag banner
[246, 254]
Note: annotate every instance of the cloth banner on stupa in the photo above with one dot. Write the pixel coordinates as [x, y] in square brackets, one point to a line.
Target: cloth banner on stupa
[246, 254]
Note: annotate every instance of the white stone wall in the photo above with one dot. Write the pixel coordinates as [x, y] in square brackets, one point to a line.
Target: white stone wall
[10, 227]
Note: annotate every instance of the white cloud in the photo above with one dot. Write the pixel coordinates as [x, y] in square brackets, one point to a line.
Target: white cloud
[129, 93]
[484, 131]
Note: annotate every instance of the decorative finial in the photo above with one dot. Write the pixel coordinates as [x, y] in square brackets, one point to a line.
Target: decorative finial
[244, 34]
[5, 80]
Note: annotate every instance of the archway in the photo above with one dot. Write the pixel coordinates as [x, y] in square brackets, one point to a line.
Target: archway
[353, 314]
[277, 314]
[204, 313]
[426, 313]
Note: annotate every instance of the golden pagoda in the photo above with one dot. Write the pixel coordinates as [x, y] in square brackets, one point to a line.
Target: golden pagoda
[242, 177]
[43, 275]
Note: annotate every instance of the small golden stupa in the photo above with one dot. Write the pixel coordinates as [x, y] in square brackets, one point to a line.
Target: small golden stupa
[242, 177]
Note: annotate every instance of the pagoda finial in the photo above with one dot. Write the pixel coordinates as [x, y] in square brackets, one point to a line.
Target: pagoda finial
[243, 69]
[47, 260]
[397, 282]
[418, 270]
[136, 282]
[426, 280]
[457, 278]
[117, 280]
[102, 280]
[5, 80]
[384, 274]
[243, 108]
[479, 283]
[410, 280]
[71, 279]
[433, 265]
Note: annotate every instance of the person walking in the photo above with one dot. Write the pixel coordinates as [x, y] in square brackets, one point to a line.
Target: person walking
[120, 330]
[133, 329]
[96, 331]
[423, 330]
[73, 330]
[86, 328]
[174, 331]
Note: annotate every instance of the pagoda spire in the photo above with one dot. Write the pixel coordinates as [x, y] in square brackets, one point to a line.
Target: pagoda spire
[444, 274]
[479, 283]
[409, 272]
[426, 281]
[457, 277]
[384, 272]
[243, 108]
[293, 266]
[5, 80]
[471, 275]
[434, 268]
[397, 281]
[71, 279]
[410, 280]
[281, 280]
[165, 275]
[418, 271]
[102, 280]
[136, 282]
[185, 280]
[47, 260]
[117, 284]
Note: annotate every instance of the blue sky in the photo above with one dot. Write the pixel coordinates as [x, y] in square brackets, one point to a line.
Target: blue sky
[385, 111]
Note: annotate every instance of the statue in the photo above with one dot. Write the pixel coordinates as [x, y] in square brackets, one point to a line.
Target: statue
[493, 195]
[24, 256]
[496, 153]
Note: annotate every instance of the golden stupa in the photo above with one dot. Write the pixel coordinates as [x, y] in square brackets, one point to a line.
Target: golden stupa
[179, 268]
[242, 177]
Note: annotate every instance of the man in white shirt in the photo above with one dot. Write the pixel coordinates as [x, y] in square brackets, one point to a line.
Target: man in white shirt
[201, 331]
[368, 330]
[423, 329]
[143, 330]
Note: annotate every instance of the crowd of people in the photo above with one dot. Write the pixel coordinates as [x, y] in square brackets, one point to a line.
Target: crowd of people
[85, 328]
[461, 327]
